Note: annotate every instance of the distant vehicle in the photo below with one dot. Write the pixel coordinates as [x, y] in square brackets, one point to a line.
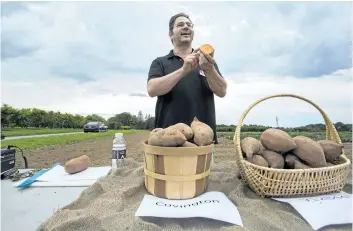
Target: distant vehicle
[95, 126]
[2, 136]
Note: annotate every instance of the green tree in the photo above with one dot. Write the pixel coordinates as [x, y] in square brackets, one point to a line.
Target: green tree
[8, 115]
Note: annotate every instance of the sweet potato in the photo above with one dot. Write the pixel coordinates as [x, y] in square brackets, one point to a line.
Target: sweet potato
[168, 137]
[277, 140]
[77, 164]
[188, 144]
[203, 133]
[293, 162]
[155, 130]
[274, 159]
[309, 151]
[290, 159]
[185, 129]
[299, 165]
[250, 146]
[207, 49]
[331, 149]
[258, 160]
[261, 147]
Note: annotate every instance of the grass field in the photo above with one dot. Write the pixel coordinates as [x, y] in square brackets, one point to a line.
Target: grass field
[345, 136]
[37, 142]
[36, 131]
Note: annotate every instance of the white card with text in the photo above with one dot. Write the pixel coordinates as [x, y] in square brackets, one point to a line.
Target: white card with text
[320, 211]
[213, 205]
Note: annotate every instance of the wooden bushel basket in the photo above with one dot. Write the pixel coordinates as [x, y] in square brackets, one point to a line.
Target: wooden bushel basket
[270, 182]
[177, 172]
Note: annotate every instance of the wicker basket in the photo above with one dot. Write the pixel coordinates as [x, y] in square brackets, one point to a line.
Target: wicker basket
[269, 182]
[177, 172]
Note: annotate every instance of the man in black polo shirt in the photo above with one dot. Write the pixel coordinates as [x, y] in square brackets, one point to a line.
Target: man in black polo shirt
[185, 80]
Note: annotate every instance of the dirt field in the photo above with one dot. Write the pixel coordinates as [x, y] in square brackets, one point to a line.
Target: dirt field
[100, 151]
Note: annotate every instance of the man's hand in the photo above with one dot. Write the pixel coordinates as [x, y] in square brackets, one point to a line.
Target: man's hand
[191, 62]
[206, 62]
[215, 81]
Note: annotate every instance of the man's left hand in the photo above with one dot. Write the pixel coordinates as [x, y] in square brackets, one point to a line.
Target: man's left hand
[206, 61]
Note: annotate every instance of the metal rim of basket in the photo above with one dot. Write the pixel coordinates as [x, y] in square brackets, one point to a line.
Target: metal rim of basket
[331, 134]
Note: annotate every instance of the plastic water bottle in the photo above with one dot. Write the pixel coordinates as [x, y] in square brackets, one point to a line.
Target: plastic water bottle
[119, 150]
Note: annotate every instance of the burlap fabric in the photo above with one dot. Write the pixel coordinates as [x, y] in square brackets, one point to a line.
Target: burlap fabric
[110, 205]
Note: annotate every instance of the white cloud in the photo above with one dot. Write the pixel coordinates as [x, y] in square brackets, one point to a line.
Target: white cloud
[331, 93]
[51, 50]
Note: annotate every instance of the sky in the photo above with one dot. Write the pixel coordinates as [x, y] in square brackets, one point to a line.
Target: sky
[94, 57]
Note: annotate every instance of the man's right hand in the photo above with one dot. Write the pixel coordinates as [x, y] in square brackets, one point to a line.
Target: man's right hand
[191, 62]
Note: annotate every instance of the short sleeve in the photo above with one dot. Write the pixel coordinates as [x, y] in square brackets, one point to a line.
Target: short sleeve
[156, 70]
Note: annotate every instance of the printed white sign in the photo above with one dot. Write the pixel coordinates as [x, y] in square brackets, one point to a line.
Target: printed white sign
[320, 211]
[214, 205]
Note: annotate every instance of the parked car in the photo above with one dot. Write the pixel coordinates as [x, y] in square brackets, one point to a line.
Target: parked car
[95, 126]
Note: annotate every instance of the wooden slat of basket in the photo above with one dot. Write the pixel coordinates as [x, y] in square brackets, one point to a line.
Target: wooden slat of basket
[203, 164]
[188, 168]
[172, 166]
[199, 184]
[173, 151]
[277, 182]
[149, 165]
[159, 185]
[207, 167]
[181, 177]
[177, 178]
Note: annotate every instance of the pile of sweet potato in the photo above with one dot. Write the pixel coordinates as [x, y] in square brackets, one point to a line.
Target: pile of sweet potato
[277, 149]
[182, 135]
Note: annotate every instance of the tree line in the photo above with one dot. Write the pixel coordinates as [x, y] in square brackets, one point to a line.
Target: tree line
[38, 118]
[341, 127]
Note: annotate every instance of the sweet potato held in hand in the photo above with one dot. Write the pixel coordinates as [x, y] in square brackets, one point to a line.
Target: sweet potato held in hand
[207, 49]
[77, 164]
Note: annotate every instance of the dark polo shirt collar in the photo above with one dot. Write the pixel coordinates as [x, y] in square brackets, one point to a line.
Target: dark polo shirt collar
[171, 54]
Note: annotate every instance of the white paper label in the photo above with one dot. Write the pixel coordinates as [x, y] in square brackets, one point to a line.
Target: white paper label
[320, 211]
[213, 205]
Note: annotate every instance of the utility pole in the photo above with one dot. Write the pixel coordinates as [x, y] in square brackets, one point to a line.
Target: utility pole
[277, 122]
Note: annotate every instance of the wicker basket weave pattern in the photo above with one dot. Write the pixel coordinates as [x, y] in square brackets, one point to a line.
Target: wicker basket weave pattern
[270, 182]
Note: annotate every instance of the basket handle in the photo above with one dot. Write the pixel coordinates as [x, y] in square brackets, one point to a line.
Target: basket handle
[331, 132]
